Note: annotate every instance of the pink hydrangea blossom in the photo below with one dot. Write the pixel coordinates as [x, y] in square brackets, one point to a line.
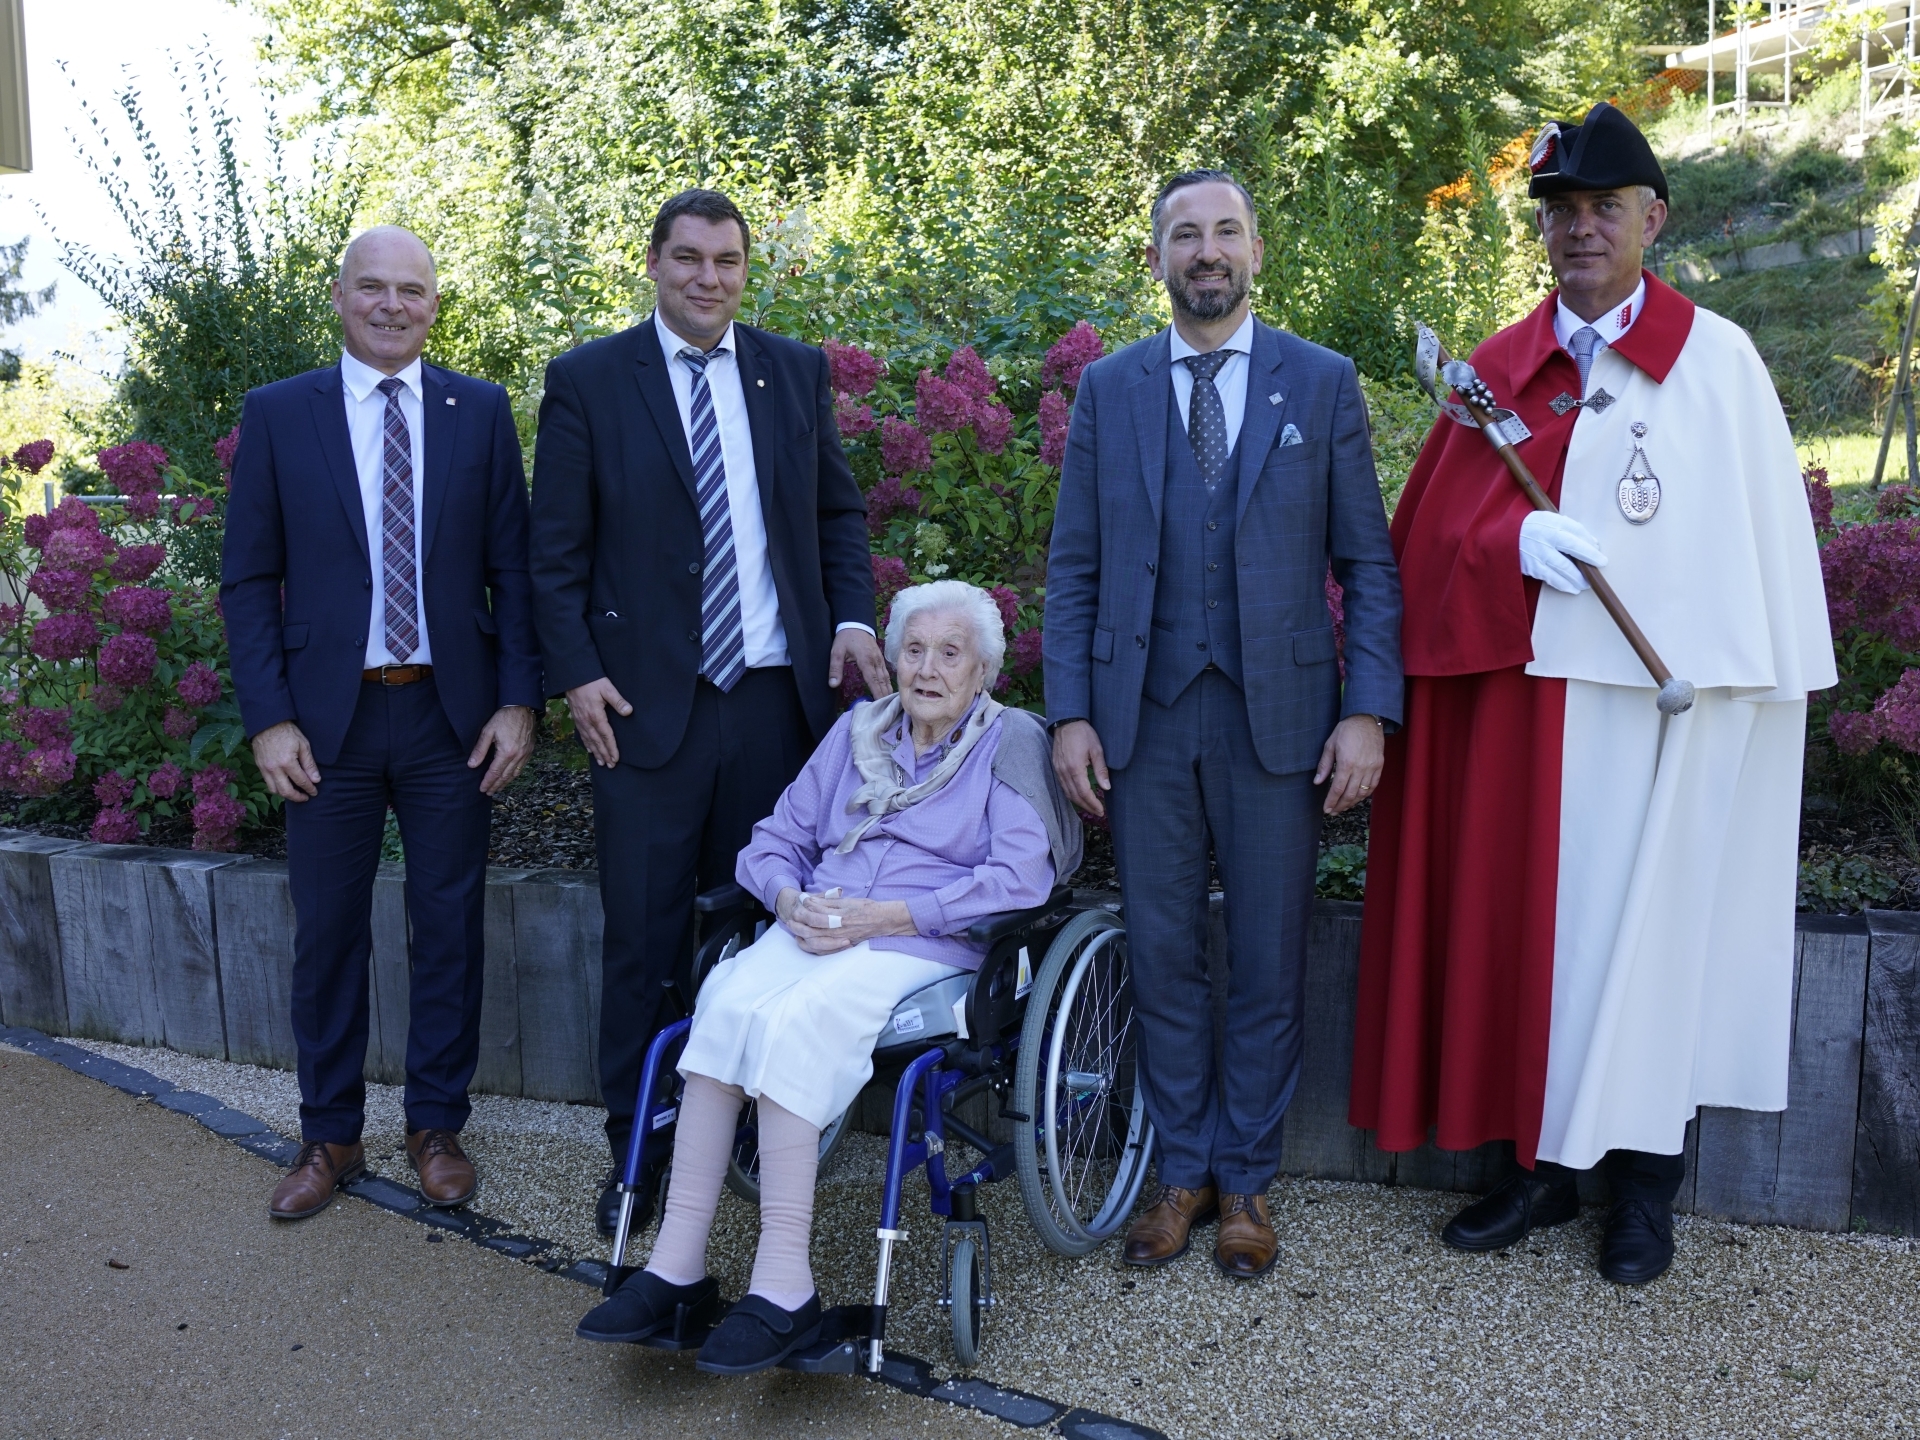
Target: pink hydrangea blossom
[11, 615]
[77, 550]
[1053, 429]
[189, 508]
[127, 660]
[1897, 502]
[888, 499]
[64, 637]
[113, 826]
[1898, 713]
[992, 427]
[35, 529]
[40, 726]
[940, 406]
[113, 789]
[967, 371]
[1070, 355]
[1872, 575]
[1026, 650]
[216, 815]
[1853, 733]
[1819, 497]
[134, 468]
[904, 448]
[133, 608]
[1008, 603]
[44, 771]
[851, 417]
[144, 506]
[889, 579]
[62, 589]
[136, 562]
[33, 456]
[10, 758]
[200, 685]
[178, 724]
[224, 448]
[851, 370]
[164, 783]
[107, 698]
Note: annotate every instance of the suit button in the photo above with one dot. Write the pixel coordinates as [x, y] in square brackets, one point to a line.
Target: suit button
[1213, 524]
[1141, 641]
[1200, 645]
[366, 584]
[1213, 604]
[1212, 566]
[694, 635]
[694, 569]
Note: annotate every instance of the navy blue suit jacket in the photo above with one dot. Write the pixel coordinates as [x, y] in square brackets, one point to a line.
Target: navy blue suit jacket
[617, 544]
[1302, 507]
[297, 576]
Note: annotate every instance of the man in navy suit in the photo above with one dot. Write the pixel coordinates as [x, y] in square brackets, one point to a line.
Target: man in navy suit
[380, 619]
[703, 579]
[1213, 474]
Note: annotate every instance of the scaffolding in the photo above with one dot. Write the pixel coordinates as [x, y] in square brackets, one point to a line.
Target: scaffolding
[1776, 37]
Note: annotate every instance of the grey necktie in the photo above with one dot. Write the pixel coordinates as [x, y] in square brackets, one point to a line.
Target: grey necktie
[1582, 345]
[1207, 417]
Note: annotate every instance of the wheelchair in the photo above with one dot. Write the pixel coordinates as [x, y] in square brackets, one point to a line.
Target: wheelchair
[1056, 1043]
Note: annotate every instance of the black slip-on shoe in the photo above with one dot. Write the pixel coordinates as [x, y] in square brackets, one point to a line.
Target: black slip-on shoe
[1526, 1201]
[646, 1305]
[1638, 1243]
[757, 1335]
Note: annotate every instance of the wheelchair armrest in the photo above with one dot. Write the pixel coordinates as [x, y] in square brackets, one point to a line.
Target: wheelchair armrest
[730, 896]
[995, 928]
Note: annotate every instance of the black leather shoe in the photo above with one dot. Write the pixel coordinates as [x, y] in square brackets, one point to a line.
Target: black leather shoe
[1638, 1243]
[646, 1305]
[1527, 1201]
[606, 1214]
[757, 1335]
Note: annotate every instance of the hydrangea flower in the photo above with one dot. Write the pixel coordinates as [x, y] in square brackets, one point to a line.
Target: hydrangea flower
[114, 826]
[904, 448]
[888, 499]
[136, 562]
[1026, 650]
[113, 789]
[940, 406]
[178, 724]
[1897, 502]
[1053, 429]
[1068, 356]
[87, 550]
[64, 637]
[851, 417]
[108, 698]
[189, 508]
[1853, 733]
[200, 685]
[62, 589]
[43, 727]
[224, 448]
[851, 370]
[1872, 574]
[132, 608]
[33, 456]
[1008, 603]
[992, 427]
[889, 579]
[11, 615]
[134, 468]
[10, 757]
[216, 814]
[164, 783]
[1819, 497]
[44, 771]
[127, 660]
[967, 371]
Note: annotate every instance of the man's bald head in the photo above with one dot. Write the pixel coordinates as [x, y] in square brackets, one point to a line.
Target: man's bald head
[386, 296]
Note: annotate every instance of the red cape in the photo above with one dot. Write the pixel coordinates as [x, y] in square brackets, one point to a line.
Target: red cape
[1456, 950]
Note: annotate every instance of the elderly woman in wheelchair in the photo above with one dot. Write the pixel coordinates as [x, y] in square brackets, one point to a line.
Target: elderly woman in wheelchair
[917, 816]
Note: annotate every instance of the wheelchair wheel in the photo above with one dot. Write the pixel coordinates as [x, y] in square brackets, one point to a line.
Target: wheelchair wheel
[966, 1309]
[743, 1166]
[1084, 1157]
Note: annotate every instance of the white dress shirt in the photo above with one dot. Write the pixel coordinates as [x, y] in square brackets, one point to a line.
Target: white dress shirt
[366, 427]
[1609, 327]
[1231, 382]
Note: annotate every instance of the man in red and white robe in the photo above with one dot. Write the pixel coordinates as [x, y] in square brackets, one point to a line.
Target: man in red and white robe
[1579, 922]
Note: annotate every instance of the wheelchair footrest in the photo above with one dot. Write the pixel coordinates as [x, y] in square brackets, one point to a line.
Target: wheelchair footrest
[839, 1350]
[689, 1330]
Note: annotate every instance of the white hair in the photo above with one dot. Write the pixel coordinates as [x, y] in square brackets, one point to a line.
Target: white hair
[959, 598]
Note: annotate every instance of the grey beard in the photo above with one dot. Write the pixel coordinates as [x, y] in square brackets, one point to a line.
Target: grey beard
[1215, 306]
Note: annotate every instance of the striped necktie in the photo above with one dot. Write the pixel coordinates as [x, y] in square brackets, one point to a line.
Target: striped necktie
[723, 644]
[400, 580]
[1581, 343]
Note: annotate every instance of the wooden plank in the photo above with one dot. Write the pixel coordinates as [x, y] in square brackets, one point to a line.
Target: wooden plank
[556, 956]
[33, 991]
[1886, 1157]
[498, 1071]
[1796, 1167]
[184, 951]
[1476, 1171]
[389, 979]
[1318, 1140]
[100, 905]
[253, 925]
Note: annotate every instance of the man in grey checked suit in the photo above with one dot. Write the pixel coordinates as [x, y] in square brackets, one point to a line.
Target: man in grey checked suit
[1213, 473]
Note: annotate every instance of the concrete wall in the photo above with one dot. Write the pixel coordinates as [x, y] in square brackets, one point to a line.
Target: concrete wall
[195, 952]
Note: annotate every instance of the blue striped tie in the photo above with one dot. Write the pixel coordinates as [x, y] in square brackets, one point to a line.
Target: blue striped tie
[723, 644]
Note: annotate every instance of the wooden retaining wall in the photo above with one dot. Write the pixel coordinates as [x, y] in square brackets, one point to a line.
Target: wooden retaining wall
[194, 952]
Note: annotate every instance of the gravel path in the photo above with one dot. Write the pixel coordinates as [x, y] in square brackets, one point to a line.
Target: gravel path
[1368, 1327]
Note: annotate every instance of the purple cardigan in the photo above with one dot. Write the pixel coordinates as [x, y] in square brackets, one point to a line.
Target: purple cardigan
[973, 848]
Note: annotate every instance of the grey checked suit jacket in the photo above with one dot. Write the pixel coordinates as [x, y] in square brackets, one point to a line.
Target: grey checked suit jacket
[1302, 507]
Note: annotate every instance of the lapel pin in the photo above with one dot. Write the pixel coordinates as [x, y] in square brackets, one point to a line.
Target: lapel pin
[450, 400]
[1276, 397]
[761, 383]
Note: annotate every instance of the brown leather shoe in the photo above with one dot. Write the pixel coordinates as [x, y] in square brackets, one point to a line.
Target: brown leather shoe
[1161, 1235]
[318, 1170]
[447, 1176]
[1246, 1247]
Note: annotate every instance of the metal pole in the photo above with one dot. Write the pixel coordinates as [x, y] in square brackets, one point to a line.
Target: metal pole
[1864, 83]
[1786, 54]
[1913, 436]
[1710, 66]
[1900, 384]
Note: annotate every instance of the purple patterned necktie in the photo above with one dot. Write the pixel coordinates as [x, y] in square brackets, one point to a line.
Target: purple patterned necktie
[401, 583]
[723, 641]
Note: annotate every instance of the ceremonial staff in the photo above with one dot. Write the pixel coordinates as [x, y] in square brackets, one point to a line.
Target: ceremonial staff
[1503, 430]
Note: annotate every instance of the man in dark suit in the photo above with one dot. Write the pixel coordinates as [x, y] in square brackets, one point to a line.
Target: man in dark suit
[380, 619]
[702, 580]
[1213, 473]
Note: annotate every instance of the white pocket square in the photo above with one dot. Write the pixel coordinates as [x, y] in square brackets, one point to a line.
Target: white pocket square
[1291, 435]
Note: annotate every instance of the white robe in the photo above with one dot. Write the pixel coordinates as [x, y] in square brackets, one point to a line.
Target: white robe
[1673, 935]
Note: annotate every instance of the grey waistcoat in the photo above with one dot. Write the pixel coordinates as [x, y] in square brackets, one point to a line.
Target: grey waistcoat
[1196, 600]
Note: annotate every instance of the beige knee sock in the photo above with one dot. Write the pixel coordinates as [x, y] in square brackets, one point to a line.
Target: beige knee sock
[702, 1141]
[789, 1161]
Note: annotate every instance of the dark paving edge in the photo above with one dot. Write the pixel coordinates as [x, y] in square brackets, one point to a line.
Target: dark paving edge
[903, 1372]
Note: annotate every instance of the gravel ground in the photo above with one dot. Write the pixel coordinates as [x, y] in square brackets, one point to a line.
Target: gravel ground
[1367, 1327]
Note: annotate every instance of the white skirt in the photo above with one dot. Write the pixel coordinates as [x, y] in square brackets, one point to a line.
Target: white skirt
[800, 1028]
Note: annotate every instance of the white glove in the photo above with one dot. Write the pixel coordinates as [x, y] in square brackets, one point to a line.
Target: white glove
[1547, 539]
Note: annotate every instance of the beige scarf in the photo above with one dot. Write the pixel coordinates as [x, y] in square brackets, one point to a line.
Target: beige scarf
[886, 789]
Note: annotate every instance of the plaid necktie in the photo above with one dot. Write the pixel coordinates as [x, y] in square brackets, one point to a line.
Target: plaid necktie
[723, 644]
[1207, 417]
[1581, 344]
[400, 582]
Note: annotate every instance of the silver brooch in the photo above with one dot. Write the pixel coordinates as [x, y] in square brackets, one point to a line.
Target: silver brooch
[1639, 486]
[1563, 402]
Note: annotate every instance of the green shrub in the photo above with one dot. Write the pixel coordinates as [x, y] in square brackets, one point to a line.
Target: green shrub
[1341, 873]
[1830, 883]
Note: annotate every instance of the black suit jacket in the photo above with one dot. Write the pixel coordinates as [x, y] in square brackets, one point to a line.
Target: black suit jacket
[617, 545]
[296, 583]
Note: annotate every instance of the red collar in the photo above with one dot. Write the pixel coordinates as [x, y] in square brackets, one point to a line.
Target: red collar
[1653, 344]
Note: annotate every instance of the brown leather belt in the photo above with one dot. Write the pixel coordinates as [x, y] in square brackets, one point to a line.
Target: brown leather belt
[396, 674]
